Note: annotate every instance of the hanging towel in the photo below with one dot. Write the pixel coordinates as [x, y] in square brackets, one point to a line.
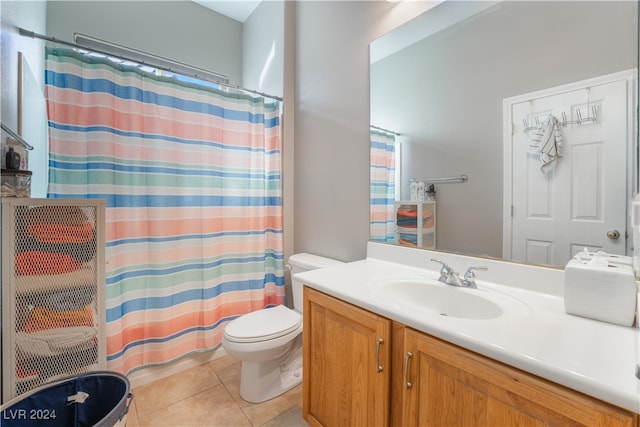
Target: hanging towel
[546, 142]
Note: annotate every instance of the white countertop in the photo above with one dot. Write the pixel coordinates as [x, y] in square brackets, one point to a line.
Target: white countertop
[593, 357]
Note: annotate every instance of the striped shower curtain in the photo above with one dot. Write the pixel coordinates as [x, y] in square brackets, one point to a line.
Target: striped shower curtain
[192, 179]
[383, 191]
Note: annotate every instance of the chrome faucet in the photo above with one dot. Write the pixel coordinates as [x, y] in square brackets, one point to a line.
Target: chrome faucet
[449, 276]
[469, 279]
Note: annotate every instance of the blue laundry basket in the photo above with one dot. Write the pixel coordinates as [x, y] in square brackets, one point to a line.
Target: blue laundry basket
[99, 398]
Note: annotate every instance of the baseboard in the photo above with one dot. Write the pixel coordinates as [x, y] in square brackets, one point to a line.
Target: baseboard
[155, 373]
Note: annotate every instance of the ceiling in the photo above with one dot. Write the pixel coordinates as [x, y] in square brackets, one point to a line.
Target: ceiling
[238, 9]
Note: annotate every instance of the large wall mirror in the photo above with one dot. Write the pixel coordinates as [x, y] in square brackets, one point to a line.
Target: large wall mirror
[469, 88]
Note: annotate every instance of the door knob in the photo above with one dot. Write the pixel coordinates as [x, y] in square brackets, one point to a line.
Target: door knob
[613, 234]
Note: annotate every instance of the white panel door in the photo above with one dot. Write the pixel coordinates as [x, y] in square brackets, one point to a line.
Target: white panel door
[576, 205]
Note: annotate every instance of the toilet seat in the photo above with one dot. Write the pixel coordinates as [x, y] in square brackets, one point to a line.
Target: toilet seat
[263, 325]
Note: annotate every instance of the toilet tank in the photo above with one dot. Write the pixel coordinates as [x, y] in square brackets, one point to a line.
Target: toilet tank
[305, 262]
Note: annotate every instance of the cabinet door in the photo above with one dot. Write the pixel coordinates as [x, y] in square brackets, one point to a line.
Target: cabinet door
[449, 386]
[346, 368]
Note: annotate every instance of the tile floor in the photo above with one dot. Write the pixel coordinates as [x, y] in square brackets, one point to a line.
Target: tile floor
[209, 395]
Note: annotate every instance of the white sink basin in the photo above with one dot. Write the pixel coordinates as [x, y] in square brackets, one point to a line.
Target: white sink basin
[423, 293]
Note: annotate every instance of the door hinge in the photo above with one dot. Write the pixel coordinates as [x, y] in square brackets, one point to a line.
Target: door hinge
[511, 211]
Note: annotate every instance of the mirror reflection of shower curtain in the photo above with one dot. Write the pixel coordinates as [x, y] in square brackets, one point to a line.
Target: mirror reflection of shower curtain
[192, 179]
[382, 192]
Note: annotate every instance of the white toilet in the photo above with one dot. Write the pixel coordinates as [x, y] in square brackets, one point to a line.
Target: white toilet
[269, 341]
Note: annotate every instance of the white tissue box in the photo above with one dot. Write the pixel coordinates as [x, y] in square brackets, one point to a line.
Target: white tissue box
[602, 258]
[601, 290]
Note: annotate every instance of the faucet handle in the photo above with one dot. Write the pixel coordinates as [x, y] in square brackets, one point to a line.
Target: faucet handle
[447, 274]
[445, 268]
[471, 271]
[470, 276]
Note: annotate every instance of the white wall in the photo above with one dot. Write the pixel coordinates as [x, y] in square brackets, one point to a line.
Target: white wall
[180, 30]
[263, 49]
[332, 121]
[15, 14]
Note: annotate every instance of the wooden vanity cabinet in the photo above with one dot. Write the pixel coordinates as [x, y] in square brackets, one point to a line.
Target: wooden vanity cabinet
[346, 367]
[423, 381]
[445, 385]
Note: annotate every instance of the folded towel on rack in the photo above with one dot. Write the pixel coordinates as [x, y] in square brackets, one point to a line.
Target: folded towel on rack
[43, 318]
[412, 213]
[427, 222]
[52, 342]
[404, 242]
[64, 215]
[69, 299]
[37, 263]
[407, 237]
[81, 252]
[546, 141]
[62, 233]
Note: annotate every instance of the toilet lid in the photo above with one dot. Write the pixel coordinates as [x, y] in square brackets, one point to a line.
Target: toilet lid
[262, 325]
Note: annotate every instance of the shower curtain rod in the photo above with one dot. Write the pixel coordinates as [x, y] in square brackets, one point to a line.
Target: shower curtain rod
[384, 130]
[34, 35]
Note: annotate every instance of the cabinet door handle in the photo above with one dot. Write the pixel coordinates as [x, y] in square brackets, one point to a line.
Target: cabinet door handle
[407, 359]
[379, 342]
